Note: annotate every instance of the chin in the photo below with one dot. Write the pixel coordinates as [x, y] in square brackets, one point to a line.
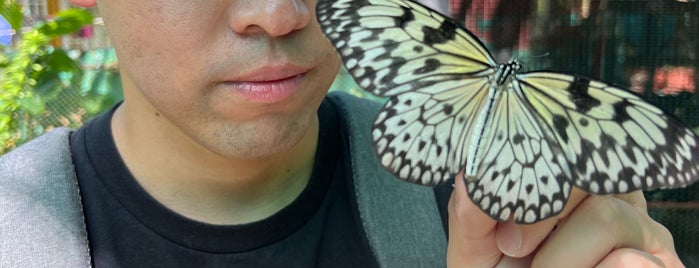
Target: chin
[260, 139]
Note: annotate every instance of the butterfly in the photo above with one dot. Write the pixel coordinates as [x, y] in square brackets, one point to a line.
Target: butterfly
[521, 139]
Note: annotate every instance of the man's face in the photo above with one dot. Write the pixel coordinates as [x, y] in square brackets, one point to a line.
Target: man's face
[243, 78]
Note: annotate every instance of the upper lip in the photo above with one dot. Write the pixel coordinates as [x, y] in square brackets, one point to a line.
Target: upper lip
[270, 72]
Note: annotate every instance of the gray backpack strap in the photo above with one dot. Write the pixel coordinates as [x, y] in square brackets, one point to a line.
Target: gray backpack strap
[41, 218]
[401, 220]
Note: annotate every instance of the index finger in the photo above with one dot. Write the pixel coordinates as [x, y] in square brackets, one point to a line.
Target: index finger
[600, 225]
[471, 232]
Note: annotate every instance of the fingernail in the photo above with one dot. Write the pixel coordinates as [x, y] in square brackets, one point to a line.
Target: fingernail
[510, 240]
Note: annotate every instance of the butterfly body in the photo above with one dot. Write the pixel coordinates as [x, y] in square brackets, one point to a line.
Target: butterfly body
[499, 84]
[522, 139]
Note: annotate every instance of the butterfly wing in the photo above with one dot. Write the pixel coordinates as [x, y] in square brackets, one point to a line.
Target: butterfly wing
[434, 73]
[523, 174]
[420, 136]
[614, 141]
[395, 46]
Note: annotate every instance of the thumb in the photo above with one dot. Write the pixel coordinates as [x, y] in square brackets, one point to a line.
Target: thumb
[472, 240]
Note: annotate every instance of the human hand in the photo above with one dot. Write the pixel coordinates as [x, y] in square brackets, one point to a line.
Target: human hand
[601, 231]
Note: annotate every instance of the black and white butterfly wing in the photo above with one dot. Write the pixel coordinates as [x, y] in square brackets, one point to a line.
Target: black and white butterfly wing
[392, 46]
[523, 174]
[428, 68]
[615, 141]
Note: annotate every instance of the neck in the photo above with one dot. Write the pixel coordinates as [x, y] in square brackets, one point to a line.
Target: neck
[205, 186]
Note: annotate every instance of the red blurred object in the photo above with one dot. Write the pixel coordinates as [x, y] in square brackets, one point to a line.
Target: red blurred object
[86, 32]
[671, 80]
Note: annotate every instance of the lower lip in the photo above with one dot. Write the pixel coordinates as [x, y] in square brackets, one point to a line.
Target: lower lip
[267, 91]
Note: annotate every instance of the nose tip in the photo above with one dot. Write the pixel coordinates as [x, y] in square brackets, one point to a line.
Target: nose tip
[273, 17]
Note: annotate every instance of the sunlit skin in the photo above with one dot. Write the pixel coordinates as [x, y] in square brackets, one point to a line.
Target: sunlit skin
[185, 130]
[219, 124]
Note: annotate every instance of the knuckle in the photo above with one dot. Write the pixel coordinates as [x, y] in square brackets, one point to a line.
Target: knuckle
[600, 209]
[457, 210]
[661, 233]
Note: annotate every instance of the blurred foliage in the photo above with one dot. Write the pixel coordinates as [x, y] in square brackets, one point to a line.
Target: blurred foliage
[33, 74]
[12, 13]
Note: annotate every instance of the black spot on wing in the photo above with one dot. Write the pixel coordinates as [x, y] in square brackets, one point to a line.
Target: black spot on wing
[435, 144]
[620, 114]
[510, 185]
[418, 49]
[445, 33]
[393, 101]
[448, 109]
[462, 119]
[405, 18]
[518, 138]
[529, 188]
[431, 65]
[560, 124]
[578, 94]
[583, 122]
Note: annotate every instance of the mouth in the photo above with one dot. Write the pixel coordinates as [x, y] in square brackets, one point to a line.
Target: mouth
[269, 84]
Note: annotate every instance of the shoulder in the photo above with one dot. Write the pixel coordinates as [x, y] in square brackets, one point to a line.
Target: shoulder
[37, 155]
[35, 169]
[41, 204]
[392, 212]
[357, 113]
[355, 105]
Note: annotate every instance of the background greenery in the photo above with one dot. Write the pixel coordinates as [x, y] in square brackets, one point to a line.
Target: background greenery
[37, 78]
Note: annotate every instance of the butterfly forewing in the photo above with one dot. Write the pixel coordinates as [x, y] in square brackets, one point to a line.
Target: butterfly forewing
[522, 139]
[388, 45]
[615, 141]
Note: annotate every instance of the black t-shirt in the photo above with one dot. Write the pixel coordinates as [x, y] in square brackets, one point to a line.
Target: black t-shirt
[128, 228]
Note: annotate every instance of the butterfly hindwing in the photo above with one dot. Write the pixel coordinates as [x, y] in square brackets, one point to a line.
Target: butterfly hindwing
[419, 135]
[523, 173]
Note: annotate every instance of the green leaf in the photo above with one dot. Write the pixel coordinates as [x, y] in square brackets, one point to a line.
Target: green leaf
[33, 104]
[55, 63]
[4, 61]
[66, 22]
[12, 12]
[5, 119]
[61, 62]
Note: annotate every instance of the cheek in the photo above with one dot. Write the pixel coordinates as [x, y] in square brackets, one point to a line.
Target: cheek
[330, 67]
[167, 34]
[167, 75]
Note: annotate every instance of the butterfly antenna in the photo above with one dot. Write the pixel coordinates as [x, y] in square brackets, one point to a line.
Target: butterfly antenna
[546, 54]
